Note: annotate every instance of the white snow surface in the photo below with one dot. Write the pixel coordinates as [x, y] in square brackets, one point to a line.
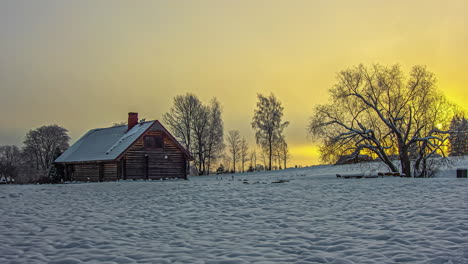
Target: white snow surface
[313, 217]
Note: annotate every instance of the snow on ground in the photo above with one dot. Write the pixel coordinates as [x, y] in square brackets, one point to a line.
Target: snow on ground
[312, 218]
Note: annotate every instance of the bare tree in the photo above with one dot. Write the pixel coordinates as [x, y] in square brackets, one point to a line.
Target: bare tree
[199, 127]
[277, 156]
[200, 136]
[244, 153]
[10, 158]
[253, 160]
[283, 152]
[234, 146]
[267, 123]
[264, 158]
[40, 145]
[379, 110]
[181, 118]
[459, 136]
[226, 160]
[215, 141]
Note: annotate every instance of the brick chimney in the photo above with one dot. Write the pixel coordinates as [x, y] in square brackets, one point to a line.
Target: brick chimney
[132, 120]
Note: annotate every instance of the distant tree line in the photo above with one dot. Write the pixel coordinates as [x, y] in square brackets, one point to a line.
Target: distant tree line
[34, 161]
[200, 128]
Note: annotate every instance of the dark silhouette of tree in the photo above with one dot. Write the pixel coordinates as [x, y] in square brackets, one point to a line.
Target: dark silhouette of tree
[40, 145]
[283, 153]
[10, 159]
[244, 153]
[459, 136]
[215, 138]
[200, 136]
[199, 127]
[234, 144]
[182, 116]
[268, 124]
[57, 171]
[253, 160]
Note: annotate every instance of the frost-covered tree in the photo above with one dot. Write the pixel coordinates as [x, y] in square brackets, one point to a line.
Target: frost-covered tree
[199, 127]
[459, 136]
[268, 125]
[283, 153]
[181, 118]
[253, 159]
[234, 144]
[215, 139]
[40, 145]
[264, 159]
[380, 110]
[244, 153]
[57, 171]
[226, 160]
[200, 136]
[10, 158]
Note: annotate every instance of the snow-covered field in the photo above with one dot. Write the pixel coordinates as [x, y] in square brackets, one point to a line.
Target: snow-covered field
[312, 218]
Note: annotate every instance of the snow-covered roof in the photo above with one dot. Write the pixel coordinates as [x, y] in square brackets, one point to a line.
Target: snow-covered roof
[103, 144]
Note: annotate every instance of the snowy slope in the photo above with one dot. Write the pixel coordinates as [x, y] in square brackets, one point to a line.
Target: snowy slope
[312, 218]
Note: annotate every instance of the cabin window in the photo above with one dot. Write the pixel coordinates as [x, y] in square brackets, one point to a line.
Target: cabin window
[150, 142]
[159, 141]
[154, 142]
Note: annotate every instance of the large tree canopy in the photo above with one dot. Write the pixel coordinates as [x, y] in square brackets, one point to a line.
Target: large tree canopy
[382, 111]
[41, 143]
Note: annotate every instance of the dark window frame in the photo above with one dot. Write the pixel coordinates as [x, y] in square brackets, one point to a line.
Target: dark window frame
[157, 142]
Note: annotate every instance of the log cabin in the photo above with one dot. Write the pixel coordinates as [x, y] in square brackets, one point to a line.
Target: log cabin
[139, 150]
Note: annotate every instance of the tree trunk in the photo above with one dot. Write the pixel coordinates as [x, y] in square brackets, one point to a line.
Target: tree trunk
[208, 165]
[405, 160]
[270, 156]
[388, 162]
[234, 165]
[200, 171]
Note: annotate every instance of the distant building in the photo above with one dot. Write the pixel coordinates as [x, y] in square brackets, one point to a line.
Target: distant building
[390, 157]
[350, 159]
[139, 150]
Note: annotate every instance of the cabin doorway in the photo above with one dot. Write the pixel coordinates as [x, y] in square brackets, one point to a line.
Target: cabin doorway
[101, 172]
[146, 167]
[123, 169]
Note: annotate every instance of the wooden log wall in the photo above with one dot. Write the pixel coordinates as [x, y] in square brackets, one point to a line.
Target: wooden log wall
[95, 172]
[167, 162]
[110, 172]
[85, 172]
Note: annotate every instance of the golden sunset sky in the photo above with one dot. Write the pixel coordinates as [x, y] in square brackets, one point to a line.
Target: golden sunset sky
[86, 64]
